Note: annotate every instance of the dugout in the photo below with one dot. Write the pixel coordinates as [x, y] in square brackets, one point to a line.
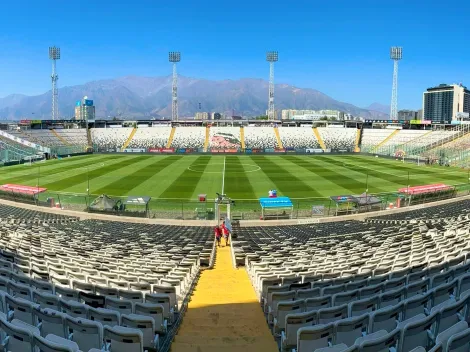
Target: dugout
[351, 204]
[276, 208]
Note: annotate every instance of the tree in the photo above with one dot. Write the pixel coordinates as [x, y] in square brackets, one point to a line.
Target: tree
[262, 117]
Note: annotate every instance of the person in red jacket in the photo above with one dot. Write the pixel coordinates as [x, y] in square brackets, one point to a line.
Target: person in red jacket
[225, 232]
[218, 234]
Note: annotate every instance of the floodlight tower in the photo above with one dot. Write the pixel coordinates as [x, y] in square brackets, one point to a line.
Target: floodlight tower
[54, 55]
[396, 54]
[271, 57]
[174, 57]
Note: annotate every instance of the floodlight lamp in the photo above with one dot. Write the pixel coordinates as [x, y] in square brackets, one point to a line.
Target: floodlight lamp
[54, 53]
[396, 53]
[272, 56]
[174, 56]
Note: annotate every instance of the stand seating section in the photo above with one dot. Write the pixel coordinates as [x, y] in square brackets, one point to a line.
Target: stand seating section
[150, 137]
[189, 137]
[67, 285]
[359, 285]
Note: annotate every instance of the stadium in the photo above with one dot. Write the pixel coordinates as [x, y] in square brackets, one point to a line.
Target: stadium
[343, 236]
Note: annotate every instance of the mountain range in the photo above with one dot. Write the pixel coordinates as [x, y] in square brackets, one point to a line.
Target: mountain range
[145, 97]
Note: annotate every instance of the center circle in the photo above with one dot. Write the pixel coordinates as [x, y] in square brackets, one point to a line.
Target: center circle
[203, 168]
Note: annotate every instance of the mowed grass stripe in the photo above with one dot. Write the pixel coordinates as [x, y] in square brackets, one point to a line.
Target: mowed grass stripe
[399, 180]
[354, 181]
[133, 180]
[44, 172]
[332, 178]
[94, 173]
[285, 182]
[183, 187]
[236, 180]
[417, 173]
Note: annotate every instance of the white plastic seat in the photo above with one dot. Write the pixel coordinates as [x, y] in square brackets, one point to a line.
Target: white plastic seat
[52, 343]
[18, 290]
[87, 334]
[74, 309]
[50, 322]
[329, 315]
[309, 293]
[145, 324]
[386, 318]
[459, 342]
[443, 293]
[363, 306]
[388, 342]
[42, 286]
[104, 316]
[106, 291]
[275, 299]
[66, 293]
[21, 309]
[391, 298]
[170, 291]
[317, 303]
[339, 299]
[133, 296]
[156, 311]
[314, 337]
[444, 336]
[124, 339]
[83, 286]
[283, 309]
[452, 314]
[18, 339]
[417, 305]
[46, 300]
[270, 290]
[165, 301]
[418, 333]
[119, 305]
[293, 322]
[350, 329]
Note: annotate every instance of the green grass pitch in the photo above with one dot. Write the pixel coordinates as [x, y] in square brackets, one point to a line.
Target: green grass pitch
[183, 177]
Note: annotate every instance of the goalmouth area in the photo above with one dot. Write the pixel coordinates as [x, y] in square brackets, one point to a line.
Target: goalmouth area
[174, 182]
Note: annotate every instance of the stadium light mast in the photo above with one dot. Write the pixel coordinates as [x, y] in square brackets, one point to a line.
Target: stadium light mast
[54, 55]
[396, 54]
[271, 57]
[174, 57]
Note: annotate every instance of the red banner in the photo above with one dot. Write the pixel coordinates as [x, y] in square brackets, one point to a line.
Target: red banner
[278, 150]
[154, 150]
[425, 189]
[22, 189]
[167, 150]
[231, 150]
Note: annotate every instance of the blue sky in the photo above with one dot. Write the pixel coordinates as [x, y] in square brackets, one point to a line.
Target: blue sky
[338, 47]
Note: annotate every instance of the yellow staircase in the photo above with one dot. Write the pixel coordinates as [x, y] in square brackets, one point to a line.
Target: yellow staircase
[390, 136]
[170, 139]
[278, 138]
[59, 137]
[129, 139]
[319, 139]
[206, 141]
[224, 314]
[242, 137]
[356, 144]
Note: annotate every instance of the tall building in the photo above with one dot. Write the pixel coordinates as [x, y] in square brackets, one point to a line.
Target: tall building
[444, 102]
[84, 109]
[407, 115]
[202, 116]
[311, 114]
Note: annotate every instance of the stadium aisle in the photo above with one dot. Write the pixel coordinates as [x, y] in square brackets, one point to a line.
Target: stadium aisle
[224, 313]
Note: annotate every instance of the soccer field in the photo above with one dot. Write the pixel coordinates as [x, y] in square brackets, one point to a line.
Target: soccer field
[239, 176]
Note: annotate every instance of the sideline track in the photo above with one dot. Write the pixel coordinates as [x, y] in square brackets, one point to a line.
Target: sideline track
[224, 314]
